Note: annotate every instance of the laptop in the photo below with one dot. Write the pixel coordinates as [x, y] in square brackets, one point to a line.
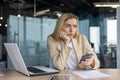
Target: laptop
[19, 64]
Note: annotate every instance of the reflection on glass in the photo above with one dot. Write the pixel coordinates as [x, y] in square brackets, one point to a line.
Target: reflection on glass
[60, 77]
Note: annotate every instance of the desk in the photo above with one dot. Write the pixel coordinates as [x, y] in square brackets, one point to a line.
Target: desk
[13, 75]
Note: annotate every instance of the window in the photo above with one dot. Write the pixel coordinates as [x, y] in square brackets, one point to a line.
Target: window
[95, 37]
[111, 31]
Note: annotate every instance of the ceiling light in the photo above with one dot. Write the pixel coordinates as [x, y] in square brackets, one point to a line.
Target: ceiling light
[58, 13]
[0, 24]
[41, 12]
[6, 25]
[1, 18]
[19, 15]
[107, 4]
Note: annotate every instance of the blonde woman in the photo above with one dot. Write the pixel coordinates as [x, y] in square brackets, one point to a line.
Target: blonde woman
[67, 46]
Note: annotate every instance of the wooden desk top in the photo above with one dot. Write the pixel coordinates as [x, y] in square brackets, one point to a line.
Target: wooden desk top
[14, 75]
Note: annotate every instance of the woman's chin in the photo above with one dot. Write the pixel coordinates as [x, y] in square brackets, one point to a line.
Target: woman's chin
[71, 37]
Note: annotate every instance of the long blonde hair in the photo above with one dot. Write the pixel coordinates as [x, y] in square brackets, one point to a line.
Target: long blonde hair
[60, 24]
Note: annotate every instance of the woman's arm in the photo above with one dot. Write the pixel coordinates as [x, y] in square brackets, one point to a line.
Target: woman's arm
[94, 62]
[59, 53]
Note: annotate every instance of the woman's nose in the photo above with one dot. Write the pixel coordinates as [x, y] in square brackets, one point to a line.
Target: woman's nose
[71, 28]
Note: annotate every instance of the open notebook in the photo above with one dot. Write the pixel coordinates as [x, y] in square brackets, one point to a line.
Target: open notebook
[19, 64]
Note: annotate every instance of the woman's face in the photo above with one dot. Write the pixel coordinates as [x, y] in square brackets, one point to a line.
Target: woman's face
[70, 27]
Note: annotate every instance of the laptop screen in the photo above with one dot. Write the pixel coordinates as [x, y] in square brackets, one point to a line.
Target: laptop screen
[16, 57]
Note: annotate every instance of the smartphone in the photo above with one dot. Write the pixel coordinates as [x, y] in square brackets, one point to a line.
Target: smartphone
[86, 56]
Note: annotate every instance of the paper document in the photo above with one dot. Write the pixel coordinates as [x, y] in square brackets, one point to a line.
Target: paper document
[86, 74]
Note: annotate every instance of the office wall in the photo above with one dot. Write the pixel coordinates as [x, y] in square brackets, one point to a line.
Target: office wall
[87, 20]
[84, 27]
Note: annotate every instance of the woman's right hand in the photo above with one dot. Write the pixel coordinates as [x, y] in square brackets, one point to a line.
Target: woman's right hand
[64, 37]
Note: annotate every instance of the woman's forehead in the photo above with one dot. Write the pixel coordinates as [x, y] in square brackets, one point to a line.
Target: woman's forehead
[71, 21]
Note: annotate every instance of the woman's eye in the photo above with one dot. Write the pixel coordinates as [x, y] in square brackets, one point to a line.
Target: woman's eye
[75, 26]
[67, 25]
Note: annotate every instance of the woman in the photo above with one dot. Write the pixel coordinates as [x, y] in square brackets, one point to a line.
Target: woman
[66, 46]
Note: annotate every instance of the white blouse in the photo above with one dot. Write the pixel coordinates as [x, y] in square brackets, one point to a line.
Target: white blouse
[72, 60]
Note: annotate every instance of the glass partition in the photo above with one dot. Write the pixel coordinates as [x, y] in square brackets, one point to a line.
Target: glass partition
[31, 36]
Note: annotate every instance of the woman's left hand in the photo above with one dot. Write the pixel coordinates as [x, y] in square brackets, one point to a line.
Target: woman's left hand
[88, 61]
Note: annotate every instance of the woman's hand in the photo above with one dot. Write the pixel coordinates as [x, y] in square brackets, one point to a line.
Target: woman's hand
[64, 37]
[88, 61]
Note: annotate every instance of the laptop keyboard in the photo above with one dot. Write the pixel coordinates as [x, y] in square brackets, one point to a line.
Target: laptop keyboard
[34, 70]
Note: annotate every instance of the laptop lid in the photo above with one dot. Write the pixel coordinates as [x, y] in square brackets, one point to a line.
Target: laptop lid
[19, 64]
[16, 58]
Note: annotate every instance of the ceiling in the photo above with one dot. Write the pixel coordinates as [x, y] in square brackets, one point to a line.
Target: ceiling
[73, 6]
[30, 7]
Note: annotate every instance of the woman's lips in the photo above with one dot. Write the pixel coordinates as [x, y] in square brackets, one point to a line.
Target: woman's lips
[70, 34]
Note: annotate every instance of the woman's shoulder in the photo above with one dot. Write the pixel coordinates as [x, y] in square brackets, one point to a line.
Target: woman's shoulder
[81, 36]
[50, 37]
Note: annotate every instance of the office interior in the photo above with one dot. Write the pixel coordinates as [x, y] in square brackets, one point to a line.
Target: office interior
[29, 22]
